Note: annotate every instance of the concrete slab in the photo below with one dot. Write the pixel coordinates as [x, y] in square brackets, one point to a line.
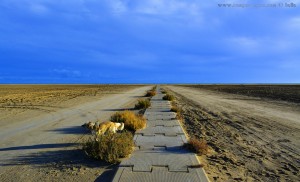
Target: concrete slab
[158, 140]
[156, 113]
[171, 130]
[160, 174]
[160, 103]
[176, 160]
[166, 123]
[160, 117]
[159, 109]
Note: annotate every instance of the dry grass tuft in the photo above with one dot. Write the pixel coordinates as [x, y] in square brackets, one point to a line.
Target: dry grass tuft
[176, 109]
[142, 104]
[131, 120]
[150, 93]
[110, 147]
[169, 97]
[163, 91]
[198, 146]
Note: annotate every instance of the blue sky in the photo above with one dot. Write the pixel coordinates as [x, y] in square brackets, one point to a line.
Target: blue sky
[148, 41]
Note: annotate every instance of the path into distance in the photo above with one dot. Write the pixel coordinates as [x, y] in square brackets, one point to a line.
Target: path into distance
[159, 154]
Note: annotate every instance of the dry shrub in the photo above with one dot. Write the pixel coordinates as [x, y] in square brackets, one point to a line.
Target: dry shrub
[131, 120]
[198, 146]
[142, 104]
[110, 147]
[168, 97]
[163, 91]
[176, 109]
[178, 112]
[150, 93]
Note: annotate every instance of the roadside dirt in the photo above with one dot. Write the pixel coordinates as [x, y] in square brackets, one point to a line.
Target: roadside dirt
[45, 146]
[20, 102]
[250, 139]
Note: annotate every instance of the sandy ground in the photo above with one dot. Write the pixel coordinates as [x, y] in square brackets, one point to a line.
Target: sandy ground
[20, 102]
[250, 139]
[39, 145]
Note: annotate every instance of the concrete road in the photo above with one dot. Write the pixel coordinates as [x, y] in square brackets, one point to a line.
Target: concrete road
[57, 131]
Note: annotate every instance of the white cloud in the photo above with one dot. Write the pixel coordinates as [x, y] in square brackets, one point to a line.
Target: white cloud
[38, 8]
[166, 7]
[118, 6]
[67, 72]
[158, 12]
[290, 64]
[244, 44]
[261, 45]
[156, 7]
[293, 24]
[133, 59]
[190, 10]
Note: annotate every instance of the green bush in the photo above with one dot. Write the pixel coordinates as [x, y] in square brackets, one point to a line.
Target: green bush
[142, 104]
[168, 97]
[131, 120]
[110, 147]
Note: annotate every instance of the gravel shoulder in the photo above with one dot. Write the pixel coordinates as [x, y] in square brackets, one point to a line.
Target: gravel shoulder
[250, 139]
[37, 146]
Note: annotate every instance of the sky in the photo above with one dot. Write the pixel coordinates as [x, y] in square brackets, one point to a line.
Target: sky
[149, 41]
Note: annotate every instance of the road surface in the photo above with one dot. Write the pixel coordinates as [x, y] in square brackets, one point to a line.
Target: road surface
[46, 147]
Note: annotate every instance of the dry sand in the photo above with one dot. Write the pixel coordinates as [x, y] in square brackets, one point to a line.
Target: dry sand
[41, 130]
[20, 102]
[250, 139]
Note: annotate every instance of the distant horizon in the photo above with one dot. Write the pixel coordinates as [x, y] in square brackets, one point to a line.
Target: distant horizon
[150, 84]
[167, 41]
